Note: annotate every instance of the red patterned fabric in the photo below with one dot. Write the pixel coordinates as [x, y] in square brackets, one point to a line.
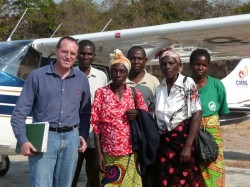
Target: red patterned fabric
[172, 171]
[109, 120]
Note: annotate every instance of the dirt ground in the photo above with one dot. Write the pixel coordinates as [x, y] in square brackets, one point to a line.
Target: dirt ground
[237, 144]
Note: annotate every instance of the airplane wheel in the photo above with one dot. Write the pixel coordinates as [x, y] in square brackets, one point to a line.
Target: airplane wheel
[4, 165]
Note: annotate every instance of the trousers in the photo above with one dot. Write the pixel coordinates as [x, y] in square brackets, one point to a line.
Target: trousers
[56, 167]
[91, 167]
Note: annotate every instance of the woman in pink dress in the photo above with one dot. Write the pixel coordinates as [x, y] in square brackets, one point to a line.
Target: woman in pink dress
[112, 109]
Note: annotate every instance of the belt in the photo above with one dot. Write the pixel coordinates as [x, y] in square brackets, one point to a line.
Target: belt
[62, 129]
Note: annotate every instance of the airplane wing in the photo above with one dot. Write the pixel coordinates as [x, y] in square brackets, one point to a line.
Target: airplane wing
[224, 37]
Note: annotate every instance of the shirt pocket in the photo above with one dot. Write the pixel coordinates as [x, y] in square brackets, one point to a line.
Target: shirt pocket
[75, 96]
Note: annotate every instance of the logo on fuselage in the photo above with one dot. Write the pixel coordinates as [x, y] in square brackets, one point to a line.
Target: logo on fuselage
[242, 74]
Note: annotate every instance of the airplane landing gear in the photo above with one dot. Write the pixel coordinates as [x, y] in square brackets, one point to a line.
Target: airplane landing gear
[4, 164]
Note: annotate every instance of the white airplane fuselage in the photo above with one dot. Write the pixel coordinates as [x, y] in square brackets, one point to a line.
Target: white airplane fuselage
[7, 138]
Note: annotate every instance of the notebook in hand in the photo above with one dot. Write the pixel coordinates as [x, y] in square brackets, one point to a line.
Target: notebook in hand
[37, 134]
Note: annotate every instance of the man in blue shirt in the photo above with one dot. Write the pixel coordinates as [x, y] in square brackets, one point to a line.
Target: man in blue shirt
[59, 94]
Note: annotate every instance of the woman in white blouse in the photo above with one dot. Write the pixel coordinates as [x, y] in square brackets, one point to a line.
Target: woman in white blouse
[178, 113]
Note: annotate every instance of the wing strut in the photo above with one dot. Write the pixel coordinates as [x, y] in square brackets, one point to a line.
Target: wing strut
[106, 25]
[9, 39]
[162, 43]
[56, 30]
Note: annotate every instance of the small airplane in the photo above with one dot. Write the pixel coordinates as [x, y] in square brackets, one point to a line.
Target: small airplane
[224, 37]
[238, 93]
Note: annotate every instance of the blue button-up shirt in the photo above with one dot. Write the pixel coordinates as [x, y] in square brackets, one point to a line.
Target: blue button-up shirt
[61, 102]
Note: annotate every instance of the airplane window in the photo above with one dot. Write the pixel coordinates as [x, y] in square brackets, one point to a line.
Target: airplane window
[28, 63]
[18, 59]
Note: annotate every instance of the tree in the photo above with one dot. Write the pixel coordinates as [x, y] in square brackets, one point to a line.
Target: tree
[7, 18]
[224, 7]
[41, 18]
[244, 8]
[85, 16]
[39, 21]
[78, 17]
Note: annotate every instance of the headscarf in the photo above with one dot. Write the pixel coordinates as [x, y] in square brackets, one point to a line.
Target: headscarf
[169, 52]
[118, 57]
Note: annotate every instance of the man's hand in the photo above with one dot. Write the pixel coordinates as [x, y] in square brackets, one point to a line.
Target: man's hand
[27, 149]
[83, 145]
[131, 114]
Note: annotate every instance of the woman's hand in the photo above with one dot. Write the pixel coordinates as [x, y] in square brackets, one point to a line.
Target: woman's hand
[194, 127]
[101, 163]
[186, 154]
[131, 114]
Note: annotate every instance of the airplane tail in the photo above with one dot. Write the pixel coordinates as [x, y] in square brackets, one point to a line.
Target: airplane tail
[237, 84]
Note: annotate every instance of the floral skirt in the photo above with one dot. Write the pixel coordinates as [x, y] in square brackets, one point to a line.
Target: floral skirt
[214, 173]
[121, 171]
[171, 171]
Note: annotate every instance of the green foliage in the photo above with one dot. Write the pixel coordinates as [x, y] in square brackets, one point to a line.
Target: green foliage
[39, 20]
[244, 8]
[78, 17]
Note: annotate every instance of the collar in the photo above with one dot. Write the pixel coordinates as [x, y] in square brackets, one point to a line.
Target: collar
[126, 86]
[178, 81]
[51, 70]
[92, 72]
[142, 81]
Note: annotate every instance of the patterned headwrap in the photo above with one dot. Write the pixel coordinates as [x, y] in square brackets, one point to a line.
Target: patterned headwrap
[169, 52]
[118, 57]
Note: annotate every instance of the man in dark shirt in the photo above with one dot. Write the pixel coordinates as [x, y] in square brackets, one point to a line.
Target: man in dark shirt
[140, 79]
[59, 94]
[138, 76]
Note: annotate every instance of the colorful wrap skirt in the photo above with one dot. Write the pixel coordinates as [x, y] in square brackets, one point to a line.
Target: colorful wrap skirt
[214, 173]
[171, 171]
[122, 171]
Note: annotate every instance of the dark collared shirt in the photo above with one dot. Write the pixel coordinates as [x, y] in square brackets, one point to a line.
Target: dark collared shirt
[61, 102]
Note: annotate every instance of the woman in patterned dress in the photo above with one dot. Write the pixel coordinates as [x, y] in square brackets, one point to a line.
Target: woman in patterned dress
[178, 112]
[213, 99]
[112, 109]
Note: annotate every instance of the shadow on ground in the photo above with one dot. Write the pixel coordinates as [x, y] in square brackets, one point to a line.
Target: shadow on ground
[233, 155]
